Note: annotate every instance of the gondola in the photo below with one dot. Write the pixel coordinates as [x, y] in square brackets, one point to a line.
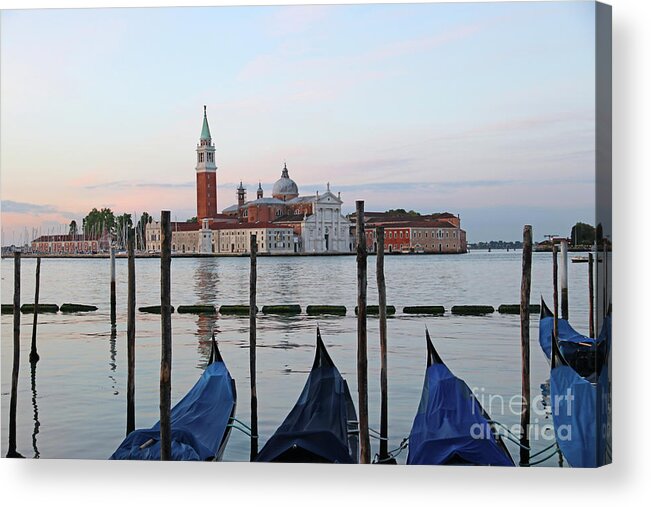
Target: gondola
[579, 351]
[322, 427]
[451, 427]
[201, 421]
[580, 407]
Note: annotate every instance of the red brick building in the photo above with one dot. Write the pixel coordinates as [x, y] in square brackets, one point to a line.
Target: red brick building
[436, 233]
[61, 244]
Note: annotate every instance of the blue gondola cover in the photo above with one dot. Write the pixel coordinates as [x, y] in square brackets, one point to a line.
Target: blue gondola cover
[199, 422]
[450, 426]
[317, 428]
[567, 335]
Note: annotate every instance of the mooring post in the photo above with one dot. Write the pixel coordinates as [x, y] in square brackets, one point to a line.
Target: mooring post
[11, 451]
[33, 354]
[565, 304]
[555, 336]
[591, 292]
[112, 254]
[555, 286]
[166, 337]
[252, 346]
[525, 296]
[362, 361]
[131, 332]
[382, 303]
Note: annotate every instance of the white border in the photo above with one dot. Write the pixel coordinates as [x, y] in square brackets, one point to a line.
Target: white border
[71, 482]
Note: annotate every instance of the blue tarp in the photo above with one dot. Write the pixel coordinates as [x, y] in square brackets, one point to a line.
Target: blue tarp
[566, 334]
[573, 402]
[316, 429]
[581, 408]
[450, 426]
[199, 422]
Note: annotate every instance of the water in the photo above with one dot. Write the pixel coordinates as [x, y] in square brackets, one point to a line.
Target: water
[74, 404]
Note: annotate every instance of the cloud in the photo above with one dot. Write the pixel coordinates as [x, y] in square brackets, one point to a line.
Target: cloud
[28, 208]
[138, 184]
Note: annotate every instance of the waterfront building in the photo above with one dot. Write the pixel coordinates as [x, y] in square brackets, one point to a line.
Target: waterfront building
[286, 222]
[408, 233]
[62, 244]
[317, 221]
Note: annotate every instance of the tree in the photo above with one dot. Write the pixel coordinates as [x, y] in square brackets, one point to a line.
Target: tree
[582, 234]
[73, 228]
[98, 221]
[192, 220]
[402, 211]
[141, 228]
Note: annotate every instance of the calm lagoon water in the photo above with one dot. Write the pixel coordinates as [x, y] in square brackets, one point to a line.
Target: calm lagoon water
[74, 404]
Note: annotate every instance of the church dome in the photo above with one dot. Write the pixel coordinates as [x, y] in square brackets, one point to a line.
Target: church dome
[285, 188]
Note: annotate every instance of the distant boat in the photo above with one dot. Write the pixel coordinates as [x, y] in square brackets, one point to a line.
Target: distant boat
[583, 259]
[451, 427]
[201, 421]
[322, 427]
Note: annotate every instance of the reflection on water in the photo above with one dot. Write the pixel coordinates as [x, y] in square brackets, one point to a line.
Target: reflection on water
[83, 414]
[206, 281]
[37, 424]
[112, 363]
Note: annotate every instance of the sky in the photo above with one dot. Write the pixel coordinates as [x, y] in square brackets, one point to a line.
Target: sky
[482, 110]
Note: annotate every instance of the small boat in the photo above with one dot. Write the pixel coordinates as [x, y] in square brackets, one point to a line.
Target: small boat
[451, 427]
[580, 409]
[322, 427]
[580, 259]
[579, 351]
[201, 421]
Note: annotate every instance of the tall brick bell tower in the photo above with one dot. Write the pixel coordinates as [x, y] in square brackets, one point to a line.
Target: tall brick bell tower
[206, 174]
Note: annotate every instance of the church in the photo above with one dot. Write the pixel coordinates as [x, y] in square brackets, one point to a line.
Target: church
[284, 223]
[316, 220]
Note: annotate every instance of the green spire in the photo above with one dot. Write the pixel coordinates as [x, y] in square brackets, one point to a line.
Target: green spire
[205, 130]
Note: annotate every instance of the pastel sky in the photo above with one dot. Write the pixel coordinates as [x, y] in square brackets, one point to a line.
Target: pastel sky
[486, 110]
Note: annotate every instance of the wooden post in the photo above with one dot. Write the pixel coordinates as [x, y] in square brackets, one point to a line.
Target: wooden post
[362, 362]
[113, 299]
[11, 451]
[166, 337]
[591, 292]
[131, 333]
[252, 346]
[565, 306]
[33, 354]
[382, 302]
[525, 296]
[555, 336]
[555, 275]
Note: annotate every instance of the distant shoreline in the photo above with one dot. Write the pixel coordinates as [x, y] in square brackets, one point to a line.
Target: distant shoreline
[142, 255]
